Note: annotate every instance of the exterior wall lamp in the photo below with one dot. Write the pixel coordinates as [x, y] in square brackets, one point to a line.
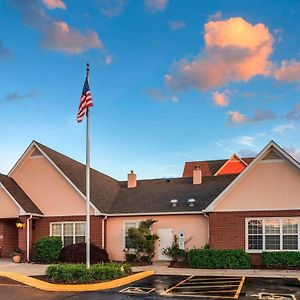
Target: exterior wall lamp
[20, 224]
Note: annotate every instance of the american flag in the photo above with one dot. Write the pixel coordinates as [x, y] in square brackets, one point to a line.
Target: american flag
[85, 101]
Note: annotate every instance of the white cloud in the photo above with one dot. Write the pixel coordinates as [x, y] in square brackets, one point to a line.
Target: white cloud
[221, 98]
[235, 117]
[283, 128]
[112, 8]
[246, 141]
[294, 152]
[289, 71]
[56, 34]
[215, 16]
[156, 5]
[53, 4]
[235, 50]
[175, 25]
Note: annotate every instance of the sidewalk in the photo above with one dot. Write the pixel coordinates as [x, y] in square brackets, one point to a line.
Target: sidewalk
[23, 268]
[31, 269]
[164, 270]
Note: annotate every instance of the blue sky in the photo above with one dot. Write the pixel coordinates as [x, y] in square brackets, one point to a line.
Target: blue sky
[172, 81]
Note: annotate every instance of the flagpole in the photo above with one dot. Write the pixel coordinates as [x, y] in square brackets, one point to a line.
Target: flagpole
[87, 178]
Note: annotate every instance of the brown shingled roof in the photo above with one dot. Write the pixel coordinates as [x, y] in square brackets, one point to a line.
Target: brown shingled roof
[208, 167]
[19, 195]
[104, 189]
[154, 196]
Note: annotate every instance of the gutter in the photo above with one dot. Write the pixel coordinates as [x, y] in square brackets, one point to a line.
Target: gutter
[28, 238]
[205, 215]
[103, 232]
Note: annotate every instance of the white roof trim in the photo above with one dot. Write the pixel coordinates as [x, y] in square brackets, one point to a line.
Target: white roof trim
[229, 160]
[211, 207]
[22, 211]
[97, 211]
[156, 213]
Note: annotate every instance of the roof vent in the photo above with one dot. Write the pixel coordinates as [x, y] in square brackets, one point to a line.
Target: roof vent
[174, 202]
[191, 202]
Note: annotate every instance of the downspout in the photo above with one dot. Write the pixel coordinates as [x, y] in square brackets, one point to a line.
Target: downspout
[103, 232]
[28, 238]
[205, 215]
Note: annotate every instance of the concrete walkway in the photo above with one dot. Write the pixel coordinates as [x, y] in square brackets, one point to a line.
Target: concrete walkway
[164, 270]
[29, 269]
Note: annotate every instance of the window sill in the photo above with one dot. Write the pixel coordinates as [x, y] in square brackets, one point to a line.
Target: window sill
[260, 251]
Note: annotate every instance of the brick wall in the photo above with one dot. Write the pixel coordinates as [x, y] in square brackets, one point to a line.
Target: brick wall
[8, 237]
[22, 235]
[42, 227]
[227, 229]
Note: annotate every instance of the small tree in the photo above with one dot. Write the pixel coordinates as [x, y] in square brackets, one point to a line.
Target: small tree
[142, 239]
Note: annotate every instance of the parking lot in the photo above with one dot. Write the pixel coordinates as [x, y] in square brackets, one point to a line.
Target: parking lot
[173, 287]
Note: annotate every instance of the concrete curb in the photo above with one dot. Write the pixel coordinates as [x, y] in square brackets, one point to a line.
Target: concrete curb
[46, 286]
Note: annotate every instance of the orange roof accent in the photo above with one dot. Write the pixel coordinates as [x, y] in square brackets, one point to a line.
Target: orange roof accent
[232, 167]
[210, 167]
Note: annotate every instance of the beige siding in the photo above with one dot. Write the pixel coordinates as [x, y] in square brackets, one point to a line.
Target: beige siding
[269, 186]
[194, 226]
[8, 209]
[48, 189]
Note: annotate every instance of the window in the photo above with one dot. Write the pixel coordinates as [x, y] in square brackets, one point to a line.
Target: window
[127, 225]
[290, 234]
[255, 234]
[70, 232]
[272, 234]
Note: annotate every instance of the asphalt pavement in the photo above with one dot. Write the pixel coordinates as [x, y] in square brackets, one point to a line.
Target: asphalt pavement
[170, 287]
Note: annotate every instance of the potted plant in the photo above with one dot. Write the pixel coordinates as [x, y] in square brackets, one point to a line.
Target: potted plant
[17, 255]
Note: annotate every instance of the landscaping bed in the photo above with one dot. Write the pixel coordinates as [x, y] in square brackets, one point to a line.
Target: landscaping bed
[79, 274]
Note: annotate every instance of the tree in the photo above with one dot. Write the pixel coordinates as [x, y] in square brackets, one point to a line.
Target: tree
[142, 239]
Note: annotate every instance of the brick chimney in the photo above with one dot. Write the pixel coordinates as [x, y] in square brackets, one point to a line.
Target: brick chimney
[197, 175]
[131, 183]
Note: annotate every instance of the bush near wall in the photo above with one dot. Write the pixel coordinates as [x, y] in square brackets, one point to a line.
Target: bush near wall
[76, 253]
[47, 249]
[218, 259]
[78, 273]
[281, 260]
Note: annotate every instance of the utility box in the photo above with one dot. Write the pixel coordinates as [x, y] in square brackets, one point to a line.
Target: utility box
[181, 239]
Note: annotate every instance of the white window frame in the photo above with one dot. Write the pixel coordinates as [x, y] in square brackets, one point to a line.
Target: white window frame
[74, 230]
[263, 219]
[124, 232]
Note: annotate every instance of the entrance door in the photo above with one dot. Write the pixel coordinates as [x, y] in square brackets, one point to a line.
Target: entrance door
[165, 240]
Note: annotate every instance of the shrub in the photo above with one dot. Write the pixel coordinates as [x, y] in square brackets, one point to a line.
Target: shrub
[76, 253]
[130, 257]
[174, 252]
[78, 273]
[146, 258]
[47, 249]
[288, 259]
[218, 259]
[143, 241]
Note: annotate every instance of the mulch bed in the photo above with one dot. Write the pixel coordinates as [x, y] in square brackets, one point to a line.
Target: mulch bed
[48, 279]
[177, 264]
[139, 263]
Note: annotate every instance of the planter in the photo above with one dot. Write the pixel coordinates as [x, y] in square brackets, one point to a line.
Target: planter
[16, 259]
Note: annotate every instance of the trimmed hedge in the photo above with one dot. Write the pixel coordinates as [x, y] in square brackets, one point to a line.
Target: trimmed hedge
[47, 249]
[218, 259]
[76, 253]
[275, 259]
[78, 273]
